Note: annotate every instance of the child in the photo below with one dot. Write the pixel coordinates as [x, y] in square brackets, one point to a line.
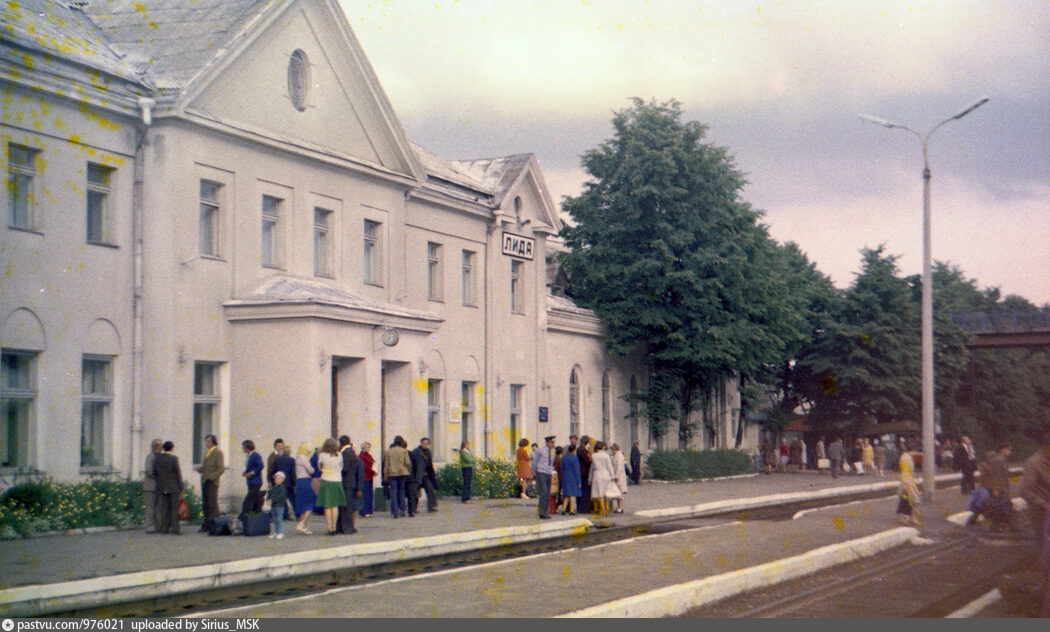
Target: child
[277, 496]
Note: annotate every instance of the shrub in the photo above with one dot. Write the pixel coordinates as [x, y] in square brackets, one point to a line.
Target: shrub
[44, 506]
[676, 465]
[493, 478]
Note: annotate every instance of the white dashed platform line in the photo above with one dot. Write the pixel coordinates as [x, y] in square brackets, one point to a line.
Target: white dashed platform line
[977, 605]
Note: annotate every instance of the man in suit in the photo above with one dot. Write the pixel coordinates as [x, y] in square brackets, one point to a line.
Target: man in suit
[964, 459]
[253, 467]
[149, 488]
[543, 467]
[169, 489]
[285, 463]
[211, 468]
[353, 480]
[423, 476]
[271, 460]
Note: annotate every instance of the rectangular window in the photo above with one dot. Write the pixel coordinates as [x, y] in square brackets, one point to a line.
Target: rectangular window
[435, 288]
[434, 414]
[322, 242]
[96, 395]
[467, 414]
[271, 217]
[210, 214]
[517, 287]
[17, 394]
[468, 279]
[206, 400]
[99, 220]
[21, 174]
[372, 253]
[516, 404]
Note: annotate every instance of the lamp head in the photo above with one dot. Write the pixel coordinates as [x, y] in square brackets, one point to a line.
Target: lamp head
[970, 108]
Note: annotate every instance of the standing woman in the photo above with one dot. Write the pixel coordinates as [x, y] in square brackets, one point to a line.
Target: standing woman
[619, 476]
[369, 463]
[466, 465]
[305, 497]
[909, 492]
[396, 469]
[570, 480]
[524, 469]
[331, 496]
[602, 485]
[867, 455]
[583, 453]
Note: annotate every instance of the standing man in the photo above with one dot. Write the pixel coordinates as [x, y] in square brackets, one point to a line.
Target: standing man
[353, 475]
[169, 488]
[271, 460]
[211, 468]
[423, 476]
[543, 467]
[149, 488]
[253, 467]
[835, 454]
[636, 463]
[964, 458]
[1000, 470]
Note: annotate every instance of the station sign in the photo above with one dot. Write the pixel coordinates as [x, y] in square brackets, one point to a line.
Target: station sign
[518, 246]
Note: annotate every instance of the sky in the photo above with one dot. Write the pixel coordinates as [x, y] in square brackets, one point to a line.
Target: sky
[781, 85]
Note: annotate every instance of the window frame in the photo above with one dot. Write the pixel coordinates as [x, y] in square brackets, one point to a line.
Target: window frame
[467, 409]
[516, 414]
[22, 176]
[517, 287]
[470, 294]
[574, 401]
[97, 402]
[324, 242]
[434, 414]
[25, 395]
[213, 220]
[372, 252]
[435, 273]
[211, 402]
[271, 227]
[101, 191]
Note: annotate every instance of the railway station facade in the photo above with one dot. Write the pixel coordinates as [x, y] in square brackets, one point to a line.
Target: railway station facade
[215, 223]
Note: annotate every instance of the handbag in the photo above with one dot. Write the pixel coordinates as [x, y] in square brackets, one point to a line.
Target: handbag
[184, 508]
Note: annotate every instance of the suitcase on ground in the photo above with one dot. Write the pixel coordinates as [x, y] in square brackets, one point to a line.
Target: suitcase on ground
[220, 526]
[256, 524]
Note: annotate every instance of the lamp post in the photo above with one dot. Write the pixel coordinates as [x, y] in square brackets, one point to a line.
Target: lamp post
[928, 465]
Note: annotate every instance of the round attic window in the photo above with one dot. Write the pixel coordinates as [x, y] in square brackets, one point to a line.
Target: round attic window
[299, 79]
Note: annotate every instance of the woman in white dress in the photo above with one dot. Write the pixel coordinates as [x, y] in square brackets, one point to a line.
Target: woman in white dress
[619, 476]
[602, 485]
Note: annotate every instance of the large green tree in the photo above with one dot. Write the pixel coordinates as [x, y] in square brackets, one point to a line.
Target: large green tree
[662, 247]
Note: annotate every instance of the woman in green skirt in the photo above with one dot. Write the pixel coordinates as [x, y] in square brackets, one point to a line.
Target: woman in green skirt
[331, 495]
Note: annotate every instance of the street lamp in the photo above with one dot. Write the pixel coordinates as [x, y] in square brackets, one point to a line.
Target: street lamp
[928, 466]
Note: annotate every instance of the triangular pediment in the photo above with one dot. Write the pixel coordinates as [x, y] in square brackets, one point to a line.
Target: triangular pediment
[537, 206]
[336, 106]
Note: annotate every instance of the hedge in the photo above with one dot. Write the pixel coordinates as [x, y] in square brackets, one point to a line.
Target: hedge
[43, 506]
[493, 478]
[677, 465]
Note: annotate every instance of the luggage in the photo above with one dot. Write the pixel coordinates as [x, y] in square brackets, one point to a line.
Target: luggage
[256, 523]
[220, 526]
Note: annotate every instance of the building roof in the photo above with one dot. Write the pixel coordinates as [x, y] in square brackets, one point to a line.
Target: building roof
[162, 45]
[283, 290]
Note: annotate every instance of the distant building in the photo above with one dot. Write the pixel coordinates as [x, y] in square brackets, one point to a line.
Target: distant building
[215, 224]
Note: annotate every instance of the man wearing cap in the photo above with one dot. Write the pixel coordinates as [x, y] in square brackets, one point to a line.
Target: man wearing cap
[543, 467]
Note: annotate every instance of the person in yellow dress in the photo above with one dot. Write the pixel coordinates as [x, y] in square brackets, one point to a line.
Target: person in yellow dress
[907, 512]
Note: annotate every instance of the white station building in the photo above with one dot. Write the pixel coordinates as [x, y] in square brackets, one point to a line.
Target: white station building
[214, 223]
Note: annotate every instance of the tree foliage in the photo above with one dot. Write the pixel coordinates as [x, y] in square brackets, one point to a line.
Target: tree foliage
[663, 249]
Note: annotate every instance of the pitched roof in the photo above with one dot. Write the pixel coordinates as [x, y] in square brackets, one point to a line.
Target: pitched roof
[175, 39]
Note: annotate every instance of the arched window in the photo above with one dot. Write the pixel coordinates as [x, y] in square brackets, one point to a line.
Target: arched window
[606, 407]
[574, 402]
[299, 79]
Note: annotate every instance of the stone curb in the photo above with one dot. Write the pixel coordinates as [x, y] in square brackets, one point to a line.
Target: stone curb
[24, 601]
[674, 600]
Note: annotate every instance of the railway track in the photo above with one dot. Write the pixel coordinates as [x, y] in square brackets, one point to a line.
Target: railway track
[926, 581]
